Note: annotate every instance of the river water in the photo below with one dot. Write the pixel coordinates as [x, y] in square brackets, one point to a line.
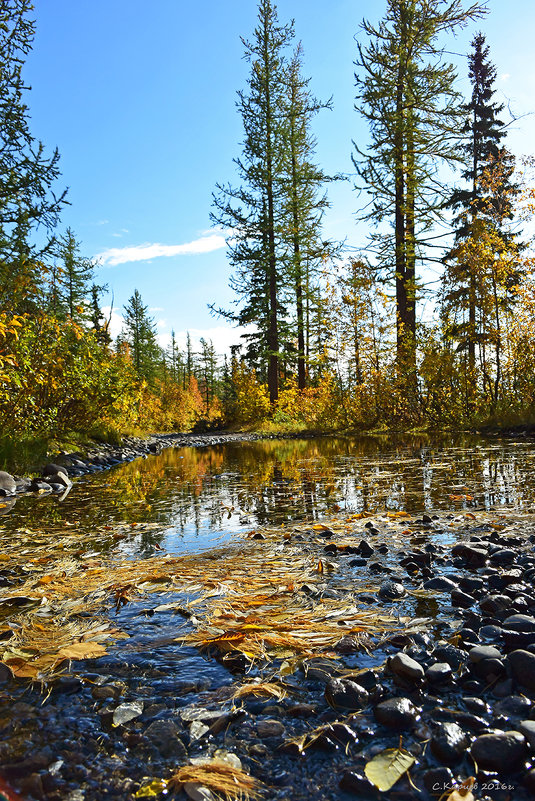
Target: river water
[197, 497]
[186, 500]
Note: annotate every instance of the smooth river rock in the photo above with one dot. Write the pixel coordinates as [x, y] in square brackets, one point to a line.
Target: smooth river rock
[397, 713]
[501, 751]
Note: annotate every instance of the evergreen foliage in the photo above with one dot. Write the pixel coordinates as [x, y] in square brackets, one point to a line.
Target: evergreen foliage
[27, 173]
[139, 334]
[406, 92]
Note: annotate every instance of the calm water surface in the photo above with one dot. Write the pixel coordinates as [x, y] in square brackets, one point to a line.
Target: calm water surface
[195, 497]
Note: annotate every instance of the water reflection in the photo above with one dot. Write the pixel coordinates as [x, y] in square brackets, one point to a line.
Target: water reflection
[197, 494]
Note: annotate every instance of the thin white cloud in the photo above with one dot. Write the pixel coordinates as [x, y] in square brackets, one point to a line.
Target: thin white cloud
[205, 244]
[505, 76]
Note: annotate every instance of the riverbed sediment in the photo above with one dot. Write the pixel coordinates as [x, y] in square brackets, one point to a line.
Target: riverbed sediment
[444, 683]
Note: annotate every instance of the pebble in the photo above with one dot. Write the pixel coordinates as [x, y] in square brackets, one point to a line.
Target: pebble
[515, 706]
[459, 598]
[527, 728]
[521, 667]
[346, 694]
[391, 590]
[269, 728]
[164, 736]
[356, 783]
[440, 583]
[397, 713]
[519, 623]
[501, 751]
[403, 665]
[449, 743]
[494, 604]
[481, 652]
[438, 673]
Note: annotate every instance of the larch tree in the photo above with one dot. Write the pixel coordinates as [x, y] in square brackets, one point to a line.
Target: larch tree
[406, 92]
[27, 173]
[253, 210]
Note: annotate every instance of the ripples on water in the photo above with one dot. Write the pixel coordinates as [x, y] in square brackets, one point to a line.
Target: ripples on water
[199, 496]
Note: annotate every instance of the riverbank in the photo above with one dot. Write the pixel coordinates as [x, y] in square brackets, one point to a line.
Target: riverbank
[322, 645]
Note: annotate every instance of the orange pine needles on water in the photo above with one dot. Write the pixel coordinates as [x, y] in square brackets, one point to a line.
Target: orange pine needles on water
[222, 779]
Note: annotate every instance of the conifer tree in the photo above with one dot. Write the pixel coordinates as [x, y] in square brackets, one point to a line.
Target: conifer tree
[483, 208]
[406, 92]
[74, 279]
[27, 173]
[139, 333]
[304, 205]
[253, 210]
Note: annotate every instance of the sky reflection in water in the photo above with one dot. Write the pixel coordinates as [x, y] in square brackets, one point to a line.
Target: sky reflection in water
[199, 496]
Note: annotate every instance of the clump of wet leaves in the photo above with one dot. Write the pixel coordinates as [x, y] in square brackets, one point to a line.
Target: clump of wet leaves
[207, 779]
[258, 599]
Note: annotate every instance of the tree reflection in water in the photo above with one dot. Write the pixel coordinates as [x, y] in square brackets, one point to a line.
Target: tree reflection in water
[194, 494]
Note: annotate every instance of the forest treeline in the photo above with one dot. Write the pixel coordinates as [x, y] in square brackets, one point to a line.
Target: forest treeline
[334, 338]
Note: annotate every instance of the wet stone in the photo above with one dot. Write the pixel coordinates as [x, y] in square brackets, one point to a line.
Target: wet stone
[439, 673]
[519, 623]
[489, 670]
[365, 549]
[521, 666]
[440, 583]
[346, 694]
[391, 590]
[515, 706]
[397, 713]
[471, 584]
[490, 632]
[164, 736]
[357, 784]
[502, 752]
[438, 780]
[505, 556]
[449, 742]
[450, 654]
[494, 604]
[481, 652]
[461, 599]
[527, 728]
[471, 555]
[269, 728]
[403, 665]
[503, 688]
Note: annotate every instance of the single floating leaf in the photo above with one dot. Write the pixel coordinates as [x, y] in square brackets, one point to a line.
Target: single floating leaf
[82, 650]
[152, 789]
[386, 768]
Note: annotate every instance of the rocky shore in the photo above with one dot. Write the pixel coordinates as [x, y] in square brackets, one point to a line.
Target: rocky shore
[56, 476]
[449, 695]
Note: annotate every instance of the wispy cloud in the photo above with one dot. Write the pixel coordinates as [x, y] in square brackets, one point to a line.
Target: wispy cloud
[505, 76]
[205, 244]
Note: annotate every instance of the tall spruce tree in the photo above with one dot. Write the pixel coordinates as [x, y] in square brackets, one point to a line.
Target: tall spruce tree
[27, 173]
[139, 333]
[406, 93]
[483, 207]
[74, 279]
[253, 210]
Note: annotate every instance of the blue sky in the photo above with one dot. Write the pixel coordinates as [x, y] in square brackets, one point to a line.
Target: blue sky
[140, 100]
